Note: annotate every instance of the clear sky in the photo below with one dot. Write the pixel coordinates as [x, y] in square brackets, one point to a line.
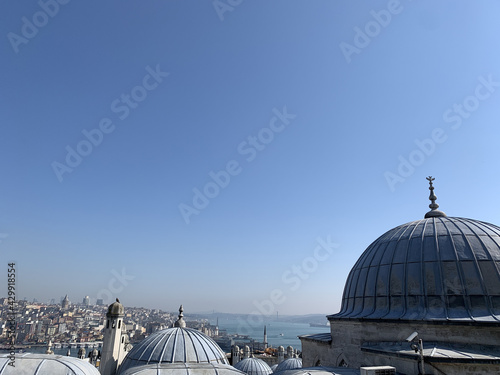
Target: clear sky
[235, 155]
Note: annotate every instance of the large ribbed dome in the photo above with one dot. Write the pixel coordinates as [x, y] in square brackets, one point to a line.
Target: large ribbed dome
[184, 369]
[31, 363]
[174, 345]
[439, 268]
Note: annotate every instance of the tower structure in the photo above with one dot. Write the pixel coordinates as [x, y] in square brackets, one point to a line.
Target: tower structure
[113, 348]
[235, 354]
[246, 352]
[81, 353]
[86, 301]
[65, 302]
[49, 348]
[265, 337]
[281, 354]
[289, 351]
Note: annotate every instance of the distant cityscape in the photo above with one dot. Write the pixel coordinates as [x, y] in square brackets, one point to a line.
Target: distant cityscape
[80, 325]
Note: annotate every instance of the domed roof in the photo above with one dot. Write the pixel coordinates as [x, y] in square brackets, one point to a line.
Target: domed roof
[183, 368]
[174, 345]
[116, 308]
[439, 268]
[30, 363]
[253, 366]
[321, 371]
[289, 364]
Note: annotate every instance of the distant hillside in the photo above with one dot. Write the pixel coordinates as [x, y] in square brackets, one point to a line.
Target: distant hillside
[311, 318]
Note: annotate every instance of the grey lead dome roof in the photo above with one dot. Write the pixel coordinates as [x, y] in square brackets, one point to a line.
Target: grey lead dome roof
[45, 364]
[439, 268]
[174, 345]
[289, 364]
[184, 369]
[253, 366]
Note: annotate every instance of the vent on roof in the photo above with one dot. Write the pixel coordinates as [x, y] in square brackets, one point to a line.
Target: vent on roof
[378, 370]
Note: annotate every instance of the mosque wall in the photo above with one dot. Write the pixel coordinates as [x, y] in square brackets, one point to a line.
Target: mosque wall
[316, 353]
[357, 332]
[464, 369]
[349, 336]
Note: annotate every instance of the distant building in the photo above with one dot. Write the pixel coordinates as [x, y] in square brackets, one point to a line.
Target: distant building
[65, 303]
[86, 301]
[99, 302]
[424, 297]
[51, 330]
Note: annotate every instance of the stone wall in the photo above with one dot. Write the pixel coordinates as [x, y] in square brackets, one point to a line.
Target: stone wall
[349, 335]
[315, 353]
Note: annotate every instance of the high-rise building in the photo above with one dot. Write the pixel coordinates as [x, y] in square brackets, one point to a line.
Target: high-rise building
[86, 301]
[99, 302]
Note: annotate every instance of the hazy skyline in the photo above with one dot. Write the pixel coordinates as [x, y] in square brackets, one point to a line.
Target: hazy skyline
[235, 155]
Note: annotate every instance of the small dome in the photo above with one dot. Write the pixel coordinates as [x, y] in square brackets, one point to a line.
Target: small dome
[439, 269]
[183, 368]
[116, 308]
[253, 366]
[174, 345]
[289, 364]
[319, 371]
[41, 364]
[273, 367]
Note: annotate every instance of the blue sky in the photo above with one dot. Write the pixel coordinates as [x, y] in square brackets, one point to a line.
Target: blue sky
[324, 117]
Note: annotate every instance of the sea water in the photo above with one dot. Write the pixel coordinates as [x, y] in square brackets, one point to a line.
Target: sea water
[278, 332]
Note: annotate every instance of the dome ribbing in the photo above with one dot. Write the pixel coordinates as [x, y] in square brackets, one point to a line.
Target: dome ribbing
[438, 268]
[174, 345]
[253, 366]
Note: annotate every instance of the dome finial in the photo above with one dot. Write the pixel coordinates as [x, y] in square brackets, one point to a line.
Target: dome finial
[432, 196]
[434, 212]
[180, 322]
